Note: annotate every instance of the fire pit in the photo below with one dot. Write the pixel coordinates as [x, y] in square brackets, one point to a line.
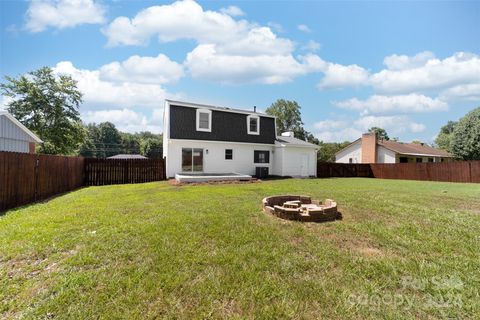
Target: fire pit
[301, 208]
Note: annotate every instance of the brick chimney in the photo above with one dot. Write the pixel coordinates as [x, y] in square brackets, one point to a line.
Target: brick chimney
[369, 148]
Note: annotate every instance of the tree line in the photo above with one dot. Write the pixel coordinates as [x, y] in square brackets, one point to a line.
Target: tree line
[48, 104]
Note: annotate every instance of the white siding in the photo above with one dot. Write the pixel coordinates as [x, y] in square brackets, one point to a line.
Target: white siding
[353, 151]
[293, 160]
[384, 155]
[214, 160]
[12, 138]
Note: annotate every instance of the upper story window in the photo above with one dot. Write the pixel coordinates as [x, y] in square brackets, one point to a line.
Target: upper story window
[204, 120]
[253, 124]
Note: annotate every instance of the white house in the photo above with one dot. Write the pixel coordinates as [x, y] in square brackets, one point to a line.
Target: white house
[14, 136]
[207, 139]
[369, 149]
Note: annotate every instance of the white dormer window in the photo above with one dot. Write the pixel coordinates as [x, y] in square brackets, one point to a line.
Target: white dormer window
[253, 124]
[204, 120]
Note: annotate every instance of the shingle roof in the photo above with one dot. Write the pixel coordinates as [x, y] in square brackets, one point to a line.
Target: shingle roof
[225, 109]
[413, 148]
[294, 141]
[127, 156]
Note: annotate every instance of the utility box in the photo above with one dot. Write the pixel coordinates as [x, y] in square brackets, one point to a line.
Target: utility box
[261, 172]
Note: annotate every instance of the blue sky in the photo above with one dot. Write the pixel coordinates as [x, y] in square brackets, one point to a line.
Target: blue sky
[406, 66]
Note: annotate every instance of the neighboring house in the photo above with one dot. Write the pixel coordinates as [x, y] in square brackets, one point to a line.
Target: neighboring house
[369, 149]
[127, 156]
[14, 136]
[207, 139]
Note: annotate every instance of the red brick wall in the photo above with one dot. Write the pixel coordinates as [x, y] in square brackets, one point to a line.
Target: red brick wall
[31, 147]
[369, 148]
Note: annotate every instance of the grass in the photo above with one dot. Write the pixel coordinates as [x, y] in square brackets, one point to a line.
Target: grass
[404, 249]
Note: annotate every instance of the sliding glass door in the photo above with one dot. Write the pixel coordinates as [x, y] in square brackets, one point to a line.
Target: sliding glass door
[192, 160]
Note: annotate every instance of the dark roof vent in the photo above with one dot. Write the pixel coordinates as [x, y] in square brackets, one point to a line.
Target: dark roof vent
[254, 108]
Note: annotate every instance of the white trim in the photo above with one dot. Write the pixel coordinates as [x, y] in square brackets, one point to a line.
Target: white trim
[209, 112]
[212, 141]
[224, 154]
[216, 108]
[253, 116]
[21, 126]
[287, 145]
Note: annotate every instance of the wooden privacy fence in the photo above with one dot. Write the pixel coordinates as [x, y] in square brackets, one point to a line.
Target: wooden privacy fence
[330, 170]
[459, 171]
[118, 171]
[25, 178]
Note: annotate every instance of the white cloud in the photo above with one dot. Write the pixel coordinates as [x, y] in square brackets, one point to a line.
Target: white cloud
[62, 14]
[401, 103]
[338, 76]
[180, 20]
[207, 63]
[312, 46]
[466, 92]
[112, 93]
[330, 125]
[427, 74]
[392, 124]
[149, 70]
[233, 11]
[125, 120]
[304, 28]
[227, 51]
[403, 62]
[350, 130]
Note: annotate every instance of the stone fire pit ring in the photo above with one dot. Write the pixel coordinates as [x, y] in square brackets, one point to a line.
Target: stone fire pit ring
[301, 208]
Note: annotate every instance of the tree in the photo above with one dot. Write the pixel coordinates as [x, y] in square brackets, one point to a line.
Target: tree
[289, 118]
[48, 105]
[444, 138]
[379, 132]
[465, 143]
[152, 148]
[329, 149]
[111, 139]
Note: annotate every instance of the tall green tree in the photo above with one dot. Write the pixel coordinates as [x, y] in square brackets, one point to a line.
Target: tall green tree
[329, 149]
[152, 148]
[379, 132]
[444, 138]
[289, 118]
[111, 139]
[48, 105]
[465, 142]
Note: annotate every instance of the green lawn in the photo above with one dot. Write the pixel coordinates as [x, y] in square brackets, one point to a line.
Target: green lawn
[404, 249]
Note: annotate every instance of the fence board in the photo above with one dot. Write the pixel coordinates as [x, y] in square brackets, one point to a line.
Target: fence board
[459, 171]
[25, 178]
[119, 171]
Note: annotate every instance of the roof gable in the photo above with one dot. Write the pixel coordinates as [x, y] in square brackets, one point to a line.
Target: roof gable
[20, 126]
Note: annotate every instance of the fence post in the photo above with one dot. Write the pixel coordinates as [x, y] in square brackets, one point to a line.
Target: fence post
[35, 177]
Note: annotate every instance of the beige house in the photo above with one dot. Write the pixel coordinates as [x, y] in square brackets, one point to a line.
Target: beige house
[369, 149]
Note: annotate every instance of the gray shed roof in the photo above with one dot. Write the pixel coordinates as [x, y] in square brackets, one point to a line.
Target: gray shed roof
[291, 141]
[127, 156]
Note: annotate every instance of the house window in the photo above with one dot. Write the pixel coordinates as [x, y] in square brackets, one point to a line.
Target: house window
[228, 154]
[261, 156]
[419, 160]
[204, 120]
[430, 159]
[403, 159]
[192, 160]
[253, 124]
